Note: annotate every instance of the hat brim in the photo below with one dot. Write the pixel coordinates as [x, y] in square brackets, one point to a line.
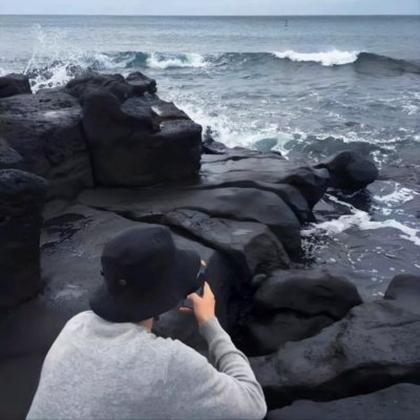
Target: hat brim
[181, 280]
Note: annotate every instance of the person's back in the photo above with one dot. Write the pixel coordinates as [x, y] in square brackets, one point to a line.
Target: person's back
[98, 369]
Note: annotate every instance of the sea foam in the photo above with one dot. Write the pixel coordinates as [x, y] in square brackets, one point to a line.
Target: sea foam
[326, 58]
[177, 60]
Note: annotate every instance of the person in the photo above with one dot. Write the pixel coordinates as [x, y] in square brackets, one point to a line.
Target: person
[107, 364]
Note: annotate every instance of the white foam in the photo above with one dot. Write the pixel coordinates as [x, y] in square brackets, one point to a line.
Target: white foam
[326, 58]
[362, 221]
[399, 196]
[167, 61]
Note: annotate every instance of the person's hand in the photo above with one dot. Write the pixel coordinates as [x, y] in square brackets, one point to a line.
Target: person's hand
[204, 307]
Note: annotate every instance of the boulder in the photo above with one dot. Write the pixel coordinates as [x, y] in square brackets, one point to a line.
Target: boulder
[46, 131]
[295, 304]
[350, 170]
[310, 292]
[131, 147]
[14, 84]
[22, 197]
[397, 402]
[271, 169]
[266, 334]
[9, 157]
[251, 246]
[404, 291]
[375, 346]
[240, 204]
[136, 84]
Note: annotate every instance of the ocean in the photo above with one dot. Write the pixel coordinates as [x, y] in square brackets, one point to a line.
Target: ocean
[307, 86]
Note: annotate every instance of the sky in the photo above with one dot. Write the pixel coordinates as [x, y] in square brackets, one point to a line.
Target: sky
[210, 7]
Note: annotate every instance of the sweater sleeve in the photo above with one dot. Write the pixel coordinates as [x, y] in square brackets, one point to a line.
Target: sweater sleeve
[225, 389]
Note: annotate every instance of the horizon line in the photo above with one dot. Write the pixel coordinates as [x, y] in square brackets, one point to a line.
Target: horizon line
[211, 15]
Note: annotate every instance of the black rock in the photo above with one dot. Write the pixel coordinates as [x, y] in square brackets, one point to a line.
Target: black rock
[22, 197]
[14, 84]
[375, 346]
[9, 157]
[46, 131]
[295, 304]
[241, 204]
[131, 147]
[252, 247]
[211, 146]
[309, 292]
[266, 334]
[137, 84]
[350, 170]
[399, 402]
[311, 182]
[404, 291]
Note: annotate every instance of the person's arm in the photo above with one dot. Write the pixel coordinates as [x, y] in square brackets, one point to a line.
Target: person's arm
[229, 389]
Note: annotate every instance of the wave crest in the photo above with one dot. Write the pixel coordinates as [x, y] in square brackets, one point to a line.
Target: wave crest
[327, 58]
[165, 61]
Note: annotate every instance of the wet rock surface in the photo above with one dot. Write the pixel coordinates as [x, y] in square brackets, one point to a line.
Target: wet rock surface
[241, 204]
[291, 305]
[45, 129]
[14, 84]
[22, 196]
[404, 291]
[397, 402]
[376, 345]
[350, 170]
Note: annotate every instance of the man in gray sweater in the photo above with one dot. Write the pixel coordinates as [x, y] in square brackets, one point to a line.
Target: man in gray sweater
[107, 363]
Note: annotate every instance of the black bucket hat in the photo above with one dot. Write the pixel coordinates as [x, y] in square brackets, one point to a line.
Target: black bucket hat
[145, 275]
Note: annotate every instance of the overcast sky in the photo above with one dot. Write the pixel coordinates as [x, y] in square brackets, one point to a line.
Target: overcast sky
[205, 7]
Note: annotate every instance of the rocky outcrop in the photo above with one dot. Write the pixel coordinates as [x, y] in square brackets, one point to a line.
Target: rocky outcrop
[22, 198]
[100, 128]
[241, 204]
[295, 304]
[132, 146]
[376, 345]
[46, 131]
[14, 84]
[397, 402]
[251, 246]
[136, 84]
[307, 291]
[117, 156]
[404, 291]
[9, 157]
[350, 170]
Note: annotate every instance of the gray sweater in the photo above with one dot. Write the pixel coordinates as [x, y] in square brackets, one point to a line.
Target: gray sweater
[101, 370]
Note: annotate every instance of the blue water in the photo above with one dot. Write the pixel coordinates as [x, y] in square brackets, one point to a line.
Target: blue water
[308, 84]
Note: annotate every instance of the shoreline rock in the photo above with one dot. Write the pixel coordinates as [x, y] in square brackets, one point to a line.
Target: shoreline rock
[115, 155]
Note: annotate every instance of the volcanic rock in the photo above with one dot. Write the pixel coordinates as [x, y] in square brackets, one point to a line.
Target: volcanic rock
[375, 346]
[45, 130]
[14, 84]
[22, 198]
[397, 402]
[350, 170]
[241, 204]
[295, 304]
[404, 291]
[252, 247]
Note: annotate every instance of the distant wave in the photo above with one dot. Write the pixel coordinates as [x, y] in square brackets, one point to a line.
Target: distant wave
[327, 58]
[59, 71]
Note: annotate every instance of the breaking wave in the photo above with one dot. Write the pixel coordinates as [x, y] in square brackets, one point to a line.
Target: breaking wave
[328, 58]
[55, 72]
